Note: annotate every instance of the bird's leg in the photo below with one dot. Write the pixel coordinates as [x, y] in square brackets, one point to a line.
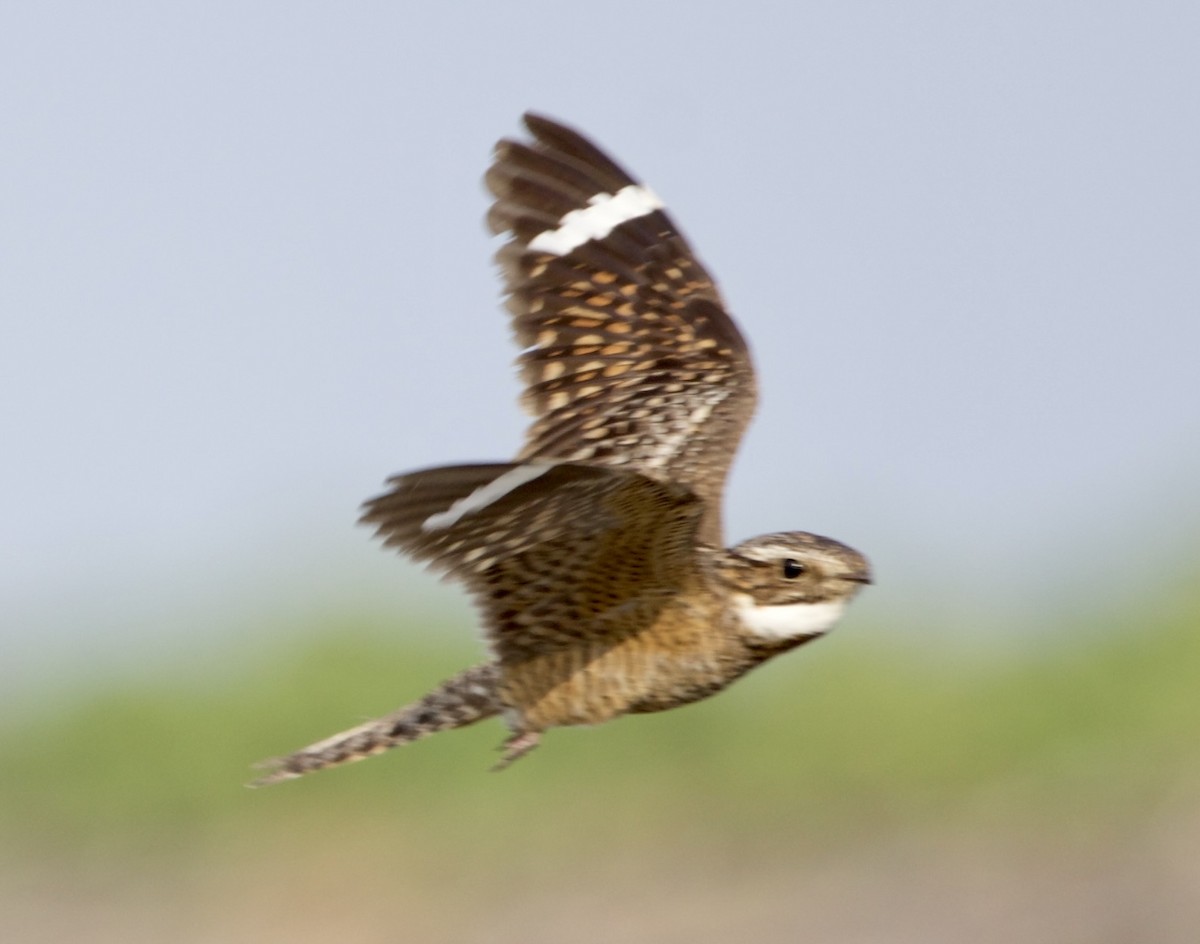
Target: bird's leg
[517, 746]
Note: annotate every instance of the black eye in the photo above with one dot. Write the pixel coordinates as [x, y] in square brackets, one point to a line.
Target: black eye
[792, 568]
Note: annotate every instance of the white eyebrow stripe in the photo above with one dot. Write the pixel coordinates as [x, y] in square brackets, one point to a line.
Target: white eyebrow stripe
[483, 496]
[604, 213]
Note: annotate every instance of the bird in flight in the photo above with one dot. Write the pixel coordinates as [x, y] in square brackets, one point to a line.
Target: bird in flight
[596, 556]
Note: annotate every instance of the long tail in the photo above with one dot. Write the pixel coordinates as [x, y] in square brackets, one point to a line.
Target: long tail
[468, 697]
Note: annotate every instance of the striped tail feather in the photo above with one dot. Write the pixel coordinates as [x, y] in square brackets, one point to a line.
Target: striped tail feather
[468, 697]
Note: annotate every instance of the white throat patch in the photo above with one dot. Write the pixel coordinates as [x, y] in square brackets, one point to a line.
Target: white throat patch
[788, 620]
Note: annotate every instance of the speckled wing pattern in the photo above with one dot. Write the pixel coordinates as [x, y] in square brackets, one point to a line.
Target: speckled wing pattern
[554, 553]
[630, 359]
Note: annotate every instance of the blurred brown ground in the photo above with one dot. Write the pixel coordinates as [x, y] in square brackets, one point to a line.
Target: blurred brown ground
[1139, 885]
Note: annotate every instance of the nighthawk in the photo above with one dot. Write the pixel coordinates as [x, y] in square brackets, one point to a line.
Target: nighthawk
[596, 556]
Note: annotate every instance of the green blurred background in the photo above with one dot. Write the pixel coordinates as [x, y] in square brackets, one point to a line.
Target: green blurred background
[242, 279]
[874, 788]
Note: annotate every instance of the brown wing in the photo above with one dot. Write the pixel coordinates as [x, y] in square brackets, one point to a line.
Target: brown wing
[630, 357]
[549, 550]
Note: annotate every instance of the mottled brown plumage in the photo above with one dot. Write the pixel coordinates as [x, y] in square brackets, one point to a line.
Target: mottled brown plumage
[629, 352]
[596, 557]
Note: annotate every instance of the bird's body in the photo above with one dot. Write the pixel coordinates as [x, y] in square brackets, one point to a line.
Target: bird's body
[596, 557]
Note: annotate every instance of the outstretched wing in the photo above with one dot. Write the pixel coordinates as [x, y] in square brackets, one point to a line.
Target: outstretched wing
[630, 357]
[551, 551]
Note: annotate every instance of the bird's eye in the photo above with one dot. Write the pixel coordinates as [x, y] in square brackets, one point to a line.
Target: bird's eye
[792, 568]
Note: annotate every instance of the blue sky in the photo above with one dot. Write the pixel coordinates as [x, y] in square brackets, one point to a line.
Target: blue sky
[243, 277]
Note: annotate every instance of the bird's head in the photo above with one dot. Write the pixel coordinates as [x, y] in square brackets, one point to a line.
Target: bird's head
[792, 585]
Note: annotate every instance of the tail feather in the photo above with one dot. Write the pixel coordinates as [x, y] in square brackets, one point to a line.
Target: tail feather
[468, 697]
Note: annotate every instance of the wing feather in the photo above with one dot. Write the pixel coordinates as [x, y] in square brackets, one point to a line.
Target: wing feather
[630, 358]
[548, 550]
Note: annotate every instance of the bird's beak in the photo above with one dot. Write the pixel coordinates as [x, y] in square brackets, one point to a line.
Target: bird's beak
[861, 576]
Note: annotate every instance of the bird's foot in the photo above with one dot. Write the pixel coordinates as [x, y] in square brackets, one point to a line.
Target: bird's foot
[517, 747]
